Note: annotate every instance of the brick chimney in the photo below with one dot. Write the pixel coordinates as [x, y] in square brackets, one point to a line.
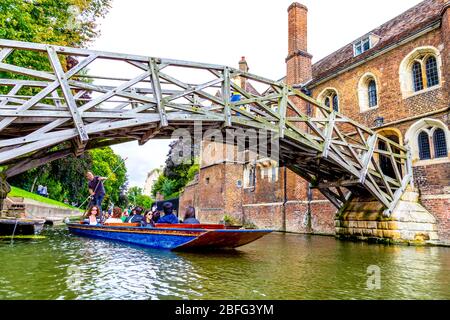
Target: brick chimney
[298, 61]
[243, 66]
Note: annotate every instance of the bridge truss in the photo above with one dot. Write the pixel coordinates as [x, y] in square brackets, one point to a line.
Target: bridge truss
[64, 108]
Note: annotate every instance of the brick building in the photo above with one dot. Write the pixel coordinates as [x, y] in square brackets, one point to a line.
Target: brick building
[393, 79]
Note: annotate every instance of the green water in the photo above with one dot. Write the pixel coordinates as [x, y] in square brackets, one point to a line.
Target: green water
[278, 266]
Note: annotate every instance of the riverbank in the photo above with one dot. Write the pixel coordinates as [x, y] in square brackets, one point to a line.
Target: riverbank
[23, 204]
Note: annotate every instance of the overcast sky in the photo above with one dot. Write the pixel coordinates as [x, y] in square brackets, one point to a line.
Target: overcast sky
[220, 32]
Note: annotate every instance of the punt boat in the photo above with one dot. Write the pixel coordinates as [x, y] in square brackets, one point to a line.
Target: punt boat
[177, 237]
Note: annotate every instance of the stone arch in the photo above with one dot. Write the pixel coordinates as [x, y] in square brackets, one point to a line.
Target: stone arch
[385, 163]
[322, 96]
[363, 94]
[413, 132]
[405, 70]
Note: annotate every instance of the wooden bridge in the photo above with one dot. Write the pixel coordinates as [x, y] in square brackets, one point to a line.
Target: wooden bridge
[63, 109]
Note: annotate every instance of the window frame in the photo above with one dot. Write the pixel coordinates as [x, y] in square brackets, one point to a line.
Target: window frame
[436, 147]
[425, 134]
[435, 71]
[360, 44]
[372, 94]
[422, 61]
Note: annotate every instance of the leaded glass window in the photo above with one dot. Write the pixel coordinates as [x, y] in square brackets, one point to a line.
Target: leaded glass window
[424, 146]
[440, 145]
[417, 76]
[432, 72]
[335, 103]
[372, 88]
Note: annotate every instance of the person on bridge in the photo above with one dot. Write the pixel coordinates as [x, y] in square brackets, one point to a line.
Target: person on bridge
[168, 217]
[96, 190]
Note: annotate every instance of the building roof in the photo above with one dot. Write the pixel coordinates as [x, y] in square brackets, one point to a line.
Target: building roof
[406, 24]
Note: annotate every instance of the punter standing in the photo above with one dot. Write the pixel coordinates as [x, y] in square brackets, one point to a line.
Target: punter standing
[96, 190]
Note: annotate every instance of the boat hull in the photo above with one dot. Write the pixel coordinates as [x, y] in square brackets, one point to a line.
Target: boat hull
[170, 238]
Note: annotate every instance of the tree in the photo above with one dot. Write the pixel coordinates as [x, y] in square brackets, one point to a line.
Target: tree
[108, 164]
[65, 178]
[137, 198]
[58, 22]
[180, 168]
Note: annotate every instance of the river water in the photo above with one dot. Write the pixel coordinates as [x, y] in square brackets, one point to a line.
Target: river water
[278, 266]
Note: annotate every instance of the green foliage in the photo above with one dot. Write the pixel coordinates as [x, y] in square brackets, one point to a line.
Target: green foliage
[65, 178]
[177, 172]
[136, 197]
[61, 22]
[104, 162]
[66, 23]
[229, 220]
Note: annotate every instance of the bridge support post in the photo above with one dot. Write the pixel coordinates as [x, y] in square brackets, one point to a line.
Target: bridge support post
[410, 222]
[5, 188]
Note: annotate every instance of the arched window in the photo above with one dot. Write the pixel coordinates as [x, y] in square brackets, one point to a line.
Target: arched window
[429, 139]
[420, 70]
[432, 71]
[329, 99]
[368, 86]
[417, 76]
[424, 146]
[335, 103]
[440, 145]
[327, 102]
[372, 90]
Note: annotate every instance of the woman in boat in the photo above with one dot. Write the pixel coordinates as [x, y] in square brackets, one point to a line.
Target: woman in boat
[150, 218]
[168, 217]
[93, 214]
[189, 216]
[116, 216]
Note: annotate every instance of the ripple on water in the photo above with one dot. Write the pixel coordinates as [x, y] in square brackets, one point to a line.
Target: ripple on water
[64, 266]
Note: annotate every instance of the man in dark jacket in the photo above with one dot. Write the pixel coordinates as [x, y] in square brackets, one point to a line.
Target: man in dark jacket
[96, 190]
[137, 216]
[168, 217]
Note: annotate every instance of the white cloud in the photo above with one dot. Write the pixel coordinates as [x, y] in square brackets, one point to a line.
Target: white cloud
[220, 32]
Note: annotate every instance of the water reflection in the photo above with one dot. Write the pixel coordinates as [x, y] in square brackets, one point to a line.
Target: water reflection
[277, 266]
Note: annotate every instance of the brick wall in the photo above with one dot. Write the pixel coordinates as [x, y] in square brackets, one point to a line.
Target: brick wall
[264, 205]
[386, 68]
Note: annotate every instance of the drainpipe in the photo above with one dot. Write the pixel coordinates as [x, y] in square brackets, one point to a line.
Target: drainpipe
[283, 208]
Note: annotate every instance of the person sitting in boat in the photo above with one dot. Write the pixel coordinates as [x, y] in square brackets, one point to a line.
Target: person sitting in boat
[92, 215]
[150, 218]
[116, 216]
[124, 215]
[189, 216]
[137, 216]
[168, 217]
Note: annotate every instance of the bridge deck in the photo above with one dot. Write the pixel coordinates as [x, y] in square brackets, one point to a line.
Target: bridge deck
[64, 105]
